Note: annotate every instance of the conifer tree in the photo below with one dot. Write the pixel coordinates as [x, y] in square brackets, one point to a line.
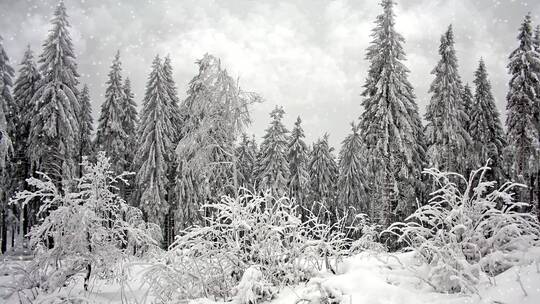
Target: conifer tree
[298, 158]
[521, 122]
[246, 161]
[111, 137]
[129, 124]
[54, 128]
[467, 101]
[155, 143]
[273, 165]
[9, 107]
[323, 175]
[173, 106]
[446, 132]
[390, 124]
[24, 89]
[351, 181]
[8, 115]
[86, 122]
[485, 125]
[6, 101]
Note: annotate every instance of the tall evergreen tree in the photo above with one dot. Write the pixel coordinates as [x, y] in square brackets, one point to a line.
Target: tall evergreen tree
[173, 106]
[467, 101]
[110, 136]
[390, 124]
[446, 132]
[26, 86]
[155, 143]
[24, 89]
[485, 125]
[8, 105]
[86, 148]
[298, 158]
[8, 115]
[55, 128]
[129, 124]
[351, 182]
[246, 161]
[273, 165]
[323, 175]
[522, 124]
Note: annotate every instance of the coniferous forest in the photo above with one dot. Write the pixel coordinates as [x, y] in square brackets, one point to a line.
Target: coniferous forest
[165, 199]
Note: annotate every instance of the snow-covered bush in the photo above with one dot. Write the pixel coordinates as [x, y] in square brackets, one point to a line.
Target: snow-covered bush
[369, 236]
[242, 237]
[88, 230]
[464, 235]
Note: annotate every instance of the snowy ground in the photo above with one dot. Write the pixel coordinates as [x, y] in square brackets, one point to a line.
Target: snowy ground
[362, 279]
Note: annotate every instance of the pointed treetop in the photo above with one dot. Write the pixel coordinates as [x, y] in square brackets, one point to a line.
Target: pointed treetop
[525, 35]
[298, 121]
[277, 113]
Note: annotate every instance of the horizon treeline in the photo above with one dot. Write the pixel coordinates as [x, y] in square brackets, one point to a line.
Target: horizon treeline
[187, 153]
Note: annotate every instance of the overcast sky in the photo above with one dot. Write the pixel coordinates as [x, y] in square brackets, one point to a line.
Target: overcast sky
[307, 56]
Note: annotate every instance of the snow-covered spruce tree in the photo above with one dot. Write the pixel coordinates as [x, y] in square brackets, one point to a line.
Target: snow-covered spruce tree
[215, 113]
[297, 154]
[86, 122]
[467, 101]
[446, 132]
[390, 125]
[246, 161]
[155, 137]
[54, 129]
[9, 106]
[24, 89]
[352, 176]
[89, 230]
[323, 176]
[7, 129]
[272, 164]
[521, 123]
[173, 105]
[173, 111]
[110, 136]
[466, 231]
[6, 102]
[129, 125]
[485, 125]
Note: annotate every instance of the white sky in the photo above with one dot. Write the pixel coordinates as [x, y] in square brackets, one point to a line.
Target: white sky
[307, 56]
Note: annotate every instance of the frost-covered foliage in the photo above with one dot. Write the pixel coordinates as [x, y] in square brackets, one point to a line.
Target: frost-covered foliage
[86, 122]
[298, 157]
[155, 146]
[215, 113]
[352, 185]
[464, 234]
[89, 230]
[130, 124]
[247, 246]
[23, 90]
[485, 125]
[522, 120]
[273, 165]
[246, 161]
[54, 128]
[323, 175]
[6, 72]
[390, 124]
[446, 132]
[110, 136]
